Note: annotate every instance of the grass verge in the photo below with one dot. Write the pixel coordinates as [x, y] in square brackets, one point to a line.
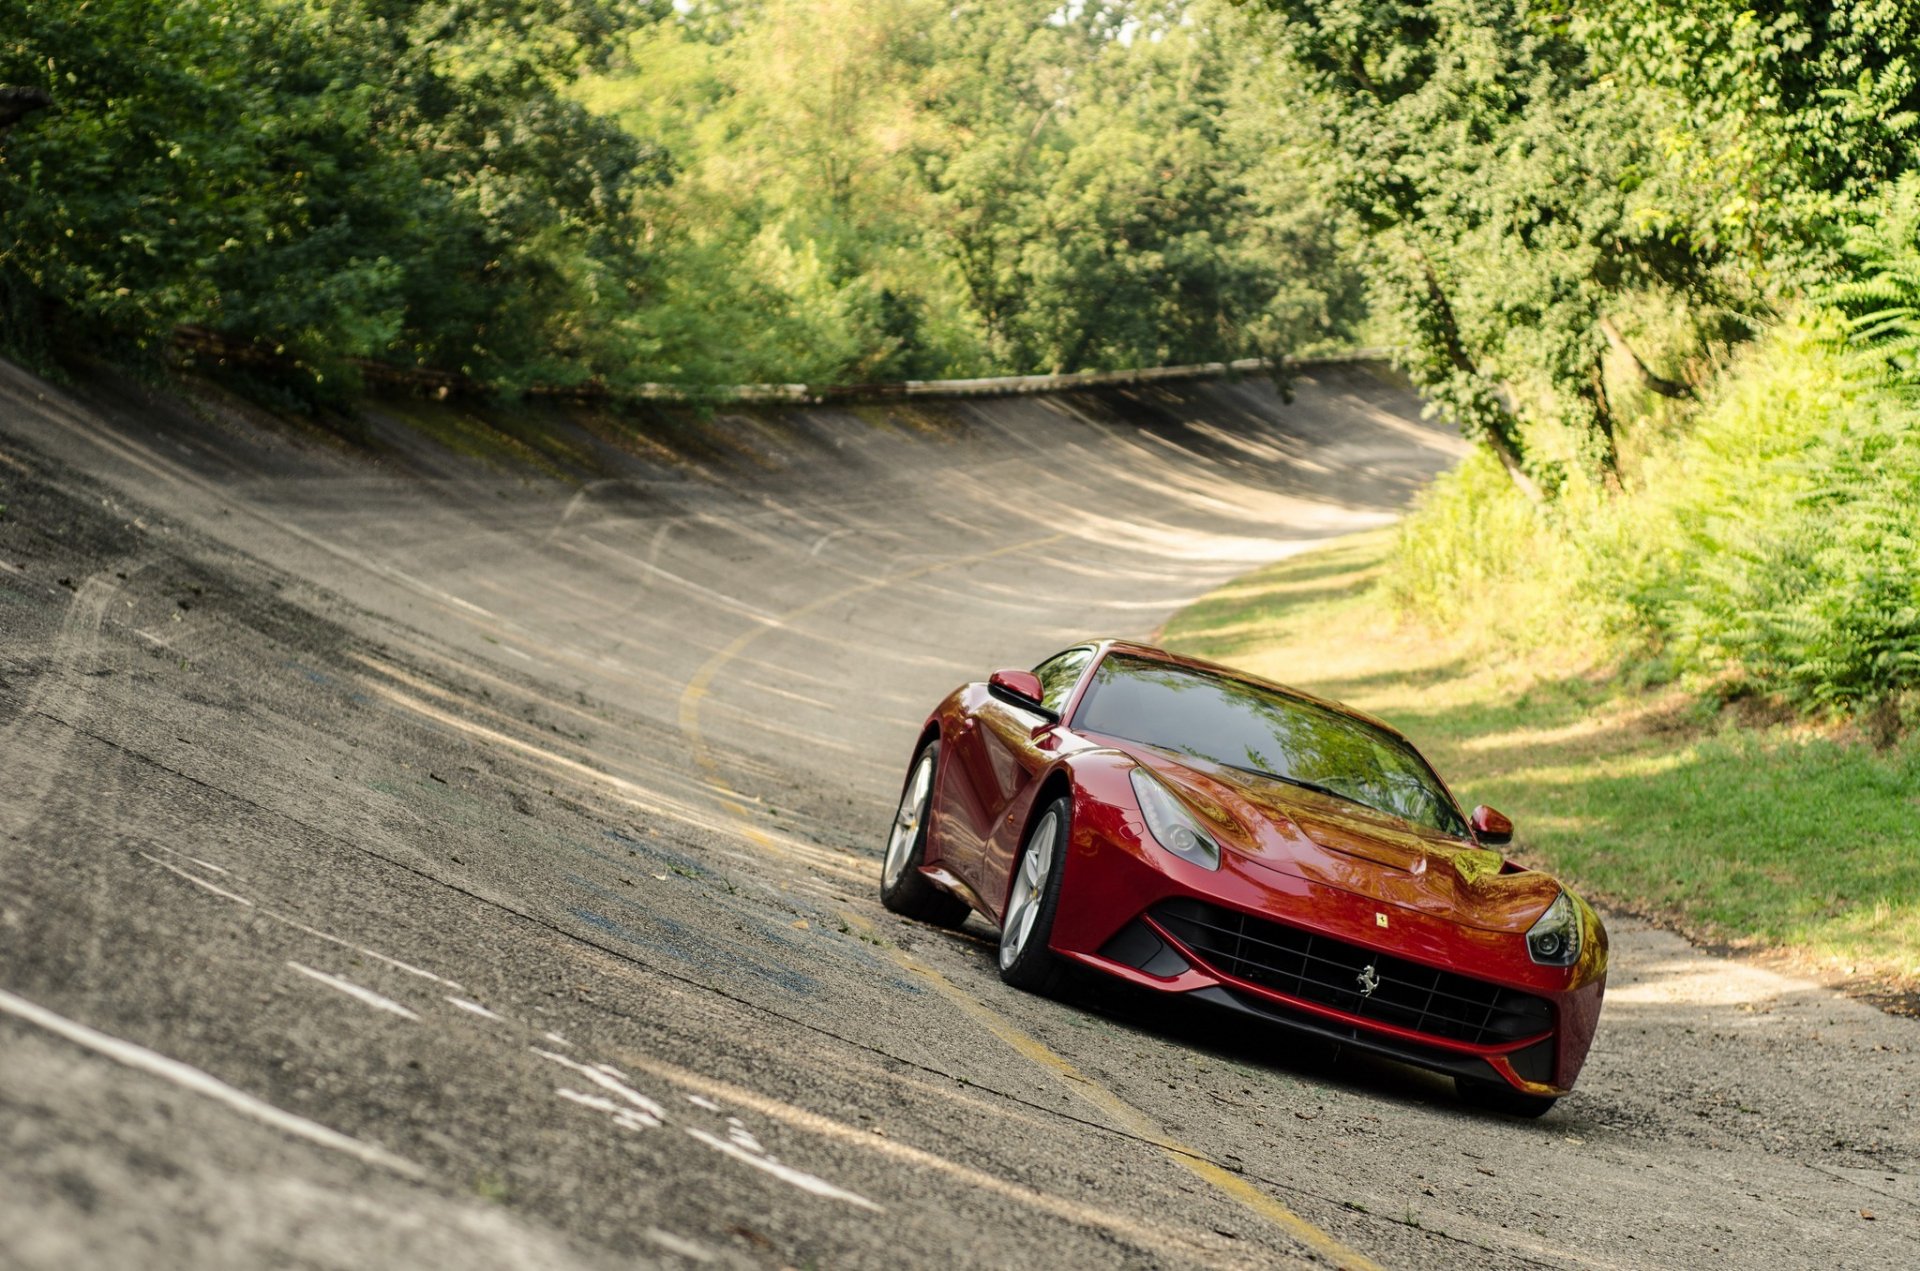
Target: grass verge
[1737, 831]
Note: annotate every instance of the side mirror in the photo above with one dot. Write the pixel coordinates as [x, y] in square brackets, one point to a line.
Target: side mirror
[1022, 689]
[1492, 829]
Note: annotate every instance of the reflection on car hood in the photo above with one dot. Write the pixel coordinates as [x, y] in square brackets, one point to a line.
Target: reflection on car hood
[1271, 825]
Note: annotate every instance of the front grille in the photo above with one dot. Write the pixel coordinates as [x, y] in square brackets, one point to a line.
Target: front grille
[1320, 969]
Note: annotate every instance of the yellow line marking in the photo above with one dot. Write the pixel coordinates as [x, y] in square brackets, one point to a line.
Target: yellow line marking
[1183, 1242]
[701, 684]
[1126, 1116]
[850, 868]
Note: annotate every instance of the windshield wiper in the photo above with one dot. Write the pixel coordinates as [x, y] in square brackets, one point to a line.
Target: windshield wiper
[1314, 786]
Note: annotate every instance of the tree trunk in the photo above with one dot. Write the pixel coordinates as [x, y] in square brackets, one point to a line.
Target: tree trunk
[1603, 419]
[1618, 342]
[17, 103]
[1502, 440]
[1516, 472]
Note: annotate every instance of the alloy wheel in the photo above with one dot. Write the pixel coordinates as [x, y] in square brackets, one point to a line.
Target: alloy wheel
[1029, 885]
[906, 822]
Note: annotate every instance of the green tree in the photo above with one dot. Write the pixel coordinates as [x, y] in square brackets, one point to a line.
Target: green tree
[378, 179]
[1102, 206]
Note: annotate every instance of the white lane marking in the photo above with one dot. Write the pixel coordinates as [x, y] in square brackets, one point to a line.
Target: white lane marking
[475, 1007]
[614, 1084]
[660, 540]
[415, 583]
[678, 1244]
[826, 538]
[645, 1113]
[701, 1101]
[1190, 1245]
[624, 1117]
[195, 859]
[785, 1173]
[197, 882]
[202, 1083]
[556, 1039]
[353, 990]
[395, 963]
[566, 513]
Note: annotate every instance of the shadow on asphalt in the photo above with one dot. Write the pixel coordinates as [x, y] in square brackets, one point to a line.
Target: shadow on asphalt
[1235, 1039]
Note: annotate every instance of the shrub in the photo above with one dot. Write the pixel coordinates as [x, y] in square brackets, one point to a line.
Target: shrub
[1476, 555]
[1773, 547]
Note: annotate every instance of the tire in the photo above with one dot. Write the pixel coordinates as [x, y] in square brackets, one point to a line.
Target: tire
[903, 888]
[1494, 1096]
[1025, 960]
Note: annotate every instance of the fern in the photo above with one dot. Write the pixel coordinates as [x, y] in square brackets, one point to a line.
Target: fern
[1880, 303]
[1819, 600]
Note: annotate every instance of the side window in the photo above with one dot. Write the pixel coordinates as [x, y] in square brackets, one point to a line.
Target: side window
[1058, 674]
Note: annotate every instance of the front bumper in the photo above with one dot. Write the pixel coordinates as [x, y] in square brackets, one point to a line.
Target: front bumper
[1450, 998]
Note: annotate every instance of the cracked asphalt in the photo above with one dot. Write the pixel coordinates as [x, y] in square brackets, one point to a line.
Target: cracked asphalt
[408, 862]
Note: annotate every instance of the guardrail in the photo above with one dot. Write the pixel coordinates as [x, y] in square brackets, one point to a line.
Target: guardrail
[992, 386]
[200, 341]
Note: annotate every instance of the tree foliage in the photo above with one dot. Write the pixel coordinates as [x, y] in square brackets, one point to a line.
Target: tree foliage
[1531, 176]
[557, 191]
[390, 179]
[1573, 212]
[1775, 120]
[1101, 205]
[895, 188]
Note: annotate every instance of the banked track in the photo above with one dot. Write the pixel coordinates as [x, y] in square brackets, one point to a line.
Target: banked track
[408, 863]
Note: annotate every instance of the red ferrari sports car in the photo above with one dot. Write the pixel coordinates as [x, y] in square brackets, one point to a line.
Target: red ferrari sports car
[1195, 830]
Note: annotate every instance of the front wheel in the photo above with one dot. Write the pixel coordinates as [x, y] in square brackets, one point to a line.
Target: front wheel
[1497, 1096]
[903, 888]
[1025, 960]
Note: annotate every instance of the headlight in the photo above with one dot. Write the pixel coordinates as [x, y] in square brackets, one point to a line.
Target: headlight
[1555, 939]
[1171, 825]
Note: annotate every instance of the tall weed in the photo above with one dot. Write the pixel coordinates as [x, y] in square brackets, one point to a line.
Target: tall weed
[1476, 556]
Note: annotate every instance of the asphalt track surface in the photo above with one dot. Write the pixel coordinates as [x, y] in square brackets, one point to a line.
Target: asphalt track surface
[404, 863]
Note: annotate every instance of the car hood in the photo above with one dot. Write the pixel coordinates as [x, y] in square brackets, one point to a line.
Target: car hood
[1269, 825]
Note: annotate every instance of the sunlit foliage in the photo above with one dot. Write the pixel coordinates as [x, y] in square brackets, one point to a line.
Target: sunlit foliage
[884, 189]
[1661, 260]
[559, 192]
[1533, 177]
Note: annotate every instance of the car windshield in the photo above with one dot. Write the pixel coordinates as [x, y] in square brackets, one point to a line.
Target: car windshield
[1255, 729]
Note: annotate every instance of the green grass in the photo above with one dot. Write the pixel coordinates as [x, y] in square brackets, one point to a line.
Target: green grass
[1738, 831]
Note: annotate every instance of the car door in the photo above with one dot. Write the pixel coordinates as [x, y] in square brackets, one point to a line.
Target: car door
[1006, 745]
